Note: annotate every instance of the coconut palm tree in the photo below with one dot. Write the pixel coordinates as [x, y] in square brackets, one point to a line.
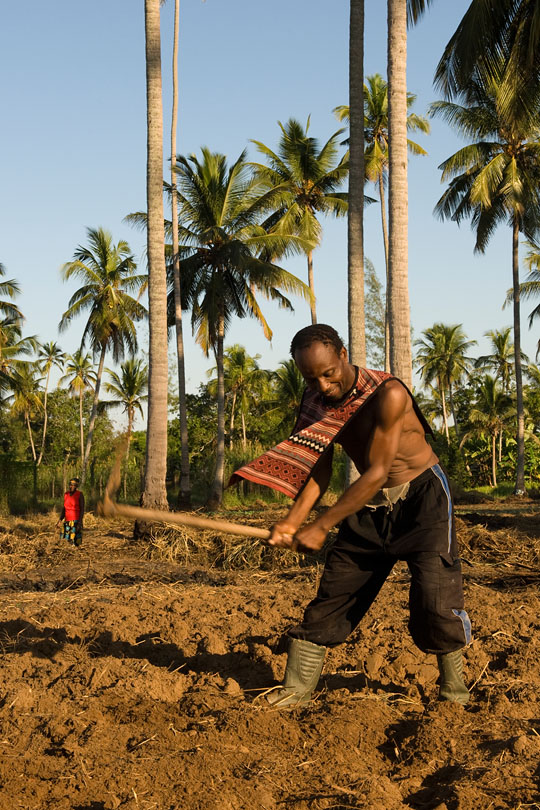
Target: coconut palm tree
[80, 378]
[11, 288]
[184, 495]
[491, 412]
[431, 363]
[398, 13]
[221, 236]
[107, 273]
[26, 402]
[288, 389]
[154, 494]
[290, 385]
[376, 152]
[14, 348]
[493, 180]
[244, 382]
[12, 343]
[355, 214]
[128, 389]
[501, 359]
[430, 403]
[49, 355]
[305, 179]
[442, 358]
[530, 288]
[492, 30]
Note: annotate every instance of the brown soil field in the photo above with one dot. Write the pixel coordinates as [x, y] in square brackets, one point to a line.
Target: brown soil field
[133, 681]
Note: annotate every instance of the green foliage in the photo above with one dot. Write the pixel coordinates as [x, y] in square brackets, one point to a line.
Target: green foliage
[127, 388]
[304, 179]
[451, 459]
[374, 314]
[16, 484]
[501, 360]
[107, 274]
[495, 178]
[491, 32]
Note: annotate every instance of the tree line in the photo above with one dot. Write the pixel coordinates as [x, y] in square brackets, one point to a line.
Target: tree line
[232, 226]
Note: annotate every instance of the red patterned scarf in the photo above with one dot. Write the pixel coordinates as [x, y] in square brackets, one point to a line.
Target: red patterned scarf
[289, 464]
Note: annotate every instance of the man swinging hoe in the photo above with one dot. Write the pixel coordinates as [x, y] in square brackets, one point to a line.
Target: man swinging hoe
[399, 509]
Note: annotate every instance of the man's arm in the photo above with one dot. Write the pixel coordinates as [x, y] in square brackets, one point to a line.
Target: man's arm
[81, 507]
[384, 442]
[283, 531]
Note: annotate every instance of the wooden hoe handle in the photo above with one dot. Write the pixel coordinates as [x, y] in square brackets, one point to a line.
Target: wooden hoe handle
[109, 508]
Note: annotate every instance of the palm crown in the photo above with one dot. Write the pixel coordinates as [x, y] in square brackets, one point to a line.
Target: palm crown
[497, 178]
[107, 273]
[304, 179]
[222, 237]
[128, 388]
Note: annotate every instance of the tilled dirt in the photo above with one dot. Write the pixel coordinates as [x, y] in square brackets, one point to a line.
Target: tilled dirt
[134, 683]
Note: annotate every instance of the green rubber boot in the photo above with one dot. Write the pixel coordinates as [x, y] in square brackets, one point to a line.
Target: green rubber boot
[304, 667]
[452, 685]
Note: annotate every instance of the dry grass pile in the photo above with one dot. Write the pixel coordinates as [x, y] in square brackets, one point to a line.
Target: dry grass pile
[24, 541]
[507, 547]
[214, 549]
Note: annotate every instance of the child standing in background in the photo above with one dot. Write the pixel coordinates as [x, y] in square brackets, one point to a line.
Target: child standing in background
[72, 514]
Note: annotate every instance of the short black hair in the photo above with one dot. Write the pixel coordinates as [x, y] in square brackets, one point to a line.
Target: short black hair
[316, 333]
[75, 481]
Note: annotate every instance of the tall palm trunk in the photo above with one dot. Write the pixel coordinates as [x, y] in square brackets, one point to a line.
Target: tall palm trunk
[30, 436]
[355, 219]
[444, 411]
[494, 458]
[398, 281]
[385, 243]
[45, 418]
[34, 457]
[244, 434]
[128, 446]
[81, 423]
[155, 494]
[453, 410]
[231, 423]
[311, 285]
[184, 495]
[355, 216]
[519, 488]
[216, 494]
[93, 414]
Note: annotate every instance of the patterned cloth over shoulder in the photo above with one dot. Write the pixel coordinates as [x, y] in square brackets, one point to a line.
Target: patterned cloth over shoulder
[288, 465]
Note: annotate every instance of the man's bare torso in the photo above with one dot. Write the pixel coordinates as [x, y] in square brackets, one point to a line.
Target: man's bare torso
[414, 454]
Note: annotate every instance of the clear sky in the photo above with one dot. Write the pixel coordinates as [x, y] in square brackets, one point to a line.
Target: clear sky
[74, 142]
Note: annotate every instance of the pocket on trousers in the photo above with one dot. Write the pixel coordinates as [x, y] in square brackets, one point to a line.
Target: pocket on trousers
[451, 583]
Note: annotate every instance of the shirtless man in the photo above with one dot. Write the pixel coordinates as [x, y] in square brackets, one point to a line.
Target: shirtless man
[399, 508]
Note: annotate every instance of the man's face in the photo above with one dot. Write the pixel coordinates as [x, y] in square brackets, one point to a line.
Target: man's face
[325, 370]
[73, 486]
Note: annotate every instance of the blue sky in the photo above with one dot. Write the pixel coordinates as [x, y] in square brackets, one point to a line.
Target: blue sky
[74, 147]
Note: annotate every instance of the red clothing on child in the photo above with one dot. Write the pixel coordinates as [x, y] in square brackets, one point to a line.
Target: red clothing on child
[72, 505]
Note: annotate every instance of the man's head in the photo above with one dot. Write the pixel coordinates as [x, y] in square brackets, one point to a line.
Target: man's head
[73, 484]
[322, 360]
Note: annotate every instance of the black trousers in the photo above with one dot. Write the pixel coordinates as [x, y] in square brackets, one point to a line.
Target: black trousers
[419, 530]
